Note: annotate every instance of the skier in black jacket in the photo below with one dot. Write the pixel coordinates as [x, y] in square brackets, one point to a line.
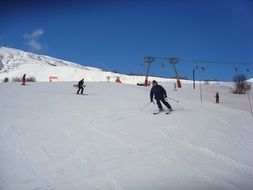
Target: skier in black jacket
[217, 98]
[80, 86]
[23, 79]
[160, 95]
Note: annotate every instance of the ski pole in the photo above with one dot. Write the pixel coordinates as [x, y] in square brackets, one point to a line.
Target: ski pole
[173, 99]
[145, 106]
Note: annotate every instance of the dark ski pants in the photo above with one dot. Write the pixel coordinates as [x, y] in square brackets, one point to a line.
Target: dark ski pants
[80, 88]
[158, 101]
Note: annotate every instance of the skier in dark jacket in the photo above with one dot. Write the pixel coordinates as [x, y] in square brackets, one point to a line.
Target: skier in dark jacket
[80, 86]
[23, 79]
[217, 96]
[160, 95]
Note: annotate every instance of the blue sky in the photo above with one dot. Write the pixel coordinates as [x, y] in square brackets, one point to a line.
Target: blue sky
[116, 35]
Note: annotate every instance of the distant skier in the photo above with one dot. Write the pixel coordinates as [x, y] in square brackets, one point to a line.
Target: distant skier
[217, 96]
[160, 95]
[80, 86]
[23, 79]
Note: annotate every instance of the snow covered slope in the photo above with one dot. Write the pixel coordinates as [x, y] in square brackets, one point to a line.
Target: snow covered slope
[14, 63]
[250, 80]
[51, 138]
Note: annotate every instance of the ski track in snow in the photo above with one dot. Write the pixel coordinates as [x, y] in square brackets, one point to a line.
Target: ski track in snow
[232, 163]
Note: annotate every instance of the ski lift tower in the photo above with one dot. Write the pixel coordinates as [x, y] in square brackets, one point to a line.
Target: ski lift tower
[148, 60]
[174, 61]
[171, 60]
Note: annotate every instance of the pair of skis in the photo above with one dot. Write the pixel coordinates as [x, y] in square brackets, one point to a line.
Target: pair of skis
[166, 112]
[155, 113]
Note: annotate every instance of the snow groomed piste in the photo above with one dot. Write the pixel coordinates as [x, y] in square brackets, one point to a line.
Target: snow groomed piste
[53, 139]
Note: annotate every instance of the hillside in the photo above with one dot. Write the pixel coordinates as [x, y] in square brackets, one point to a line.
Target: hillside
[53, 139]
[14, 63]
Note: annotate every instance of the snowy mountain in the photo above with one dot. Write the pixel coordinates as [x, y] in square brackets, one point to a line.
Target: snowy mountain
[14, 63]
[51, 138]
[12, 58]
